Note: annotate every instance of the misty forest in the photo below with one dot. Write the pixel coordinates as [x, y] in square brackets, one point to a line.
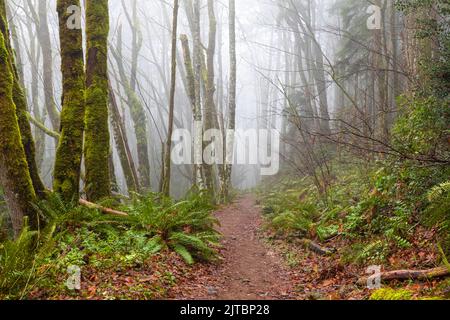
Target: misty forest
[235, 149]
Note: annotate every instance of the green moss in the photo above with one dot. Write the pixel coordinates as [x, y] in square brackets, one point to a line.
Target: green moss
[70, 148]
[97, 139]
[20, 102]
[15, 177]
[391, 294]
[140, 128]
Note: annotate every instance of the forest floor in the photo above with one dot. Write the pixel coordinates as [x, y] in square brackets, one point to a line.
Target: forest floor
[254, 265]
[249, 268]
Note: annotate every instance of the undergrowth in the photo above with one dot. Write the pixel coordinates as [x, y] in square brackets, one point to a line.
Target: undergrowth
[72, 235]
[378, 208]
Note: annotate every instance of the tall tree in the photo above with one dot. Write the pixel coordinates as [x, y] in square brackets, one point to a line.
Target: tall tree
[226, 183]
[70, 149]
[14, 174]
[138, 116]
[123, 148]
[198, 117]
[21, 108]
[47, 63]
[168, 147]
[210, 114]
[97, 138]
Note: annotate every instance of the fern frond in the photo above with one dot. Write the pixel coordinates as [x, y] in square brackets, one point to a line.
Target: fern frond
[438, 191]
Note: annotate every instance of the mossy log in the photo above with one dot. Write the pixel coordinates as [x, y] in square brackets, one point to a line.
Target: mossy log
[311, 245]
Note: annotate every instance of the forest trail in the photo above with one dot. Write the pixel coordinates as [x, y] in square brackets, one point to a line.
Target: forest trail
[249, 270]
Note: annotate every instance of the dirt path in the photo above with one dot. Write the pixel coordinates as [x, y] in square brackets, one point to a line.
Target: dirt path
[249, 269]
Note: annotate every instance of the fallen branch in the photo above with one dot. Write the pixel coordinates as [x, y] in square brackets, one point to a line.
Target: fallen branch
[311, 245]
[110, 211]
[410, 275]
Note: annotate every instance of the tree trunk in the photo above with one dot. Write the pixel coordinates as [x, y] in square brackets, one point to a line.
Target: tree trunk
[198, 117]
[47, 56]
[21, 109]
[168, 147]
[14, 174]
[226, 184]
[126, 160]
[137, 115]
[70, 149]
[190, 79]
[210, 115]
[97, 138]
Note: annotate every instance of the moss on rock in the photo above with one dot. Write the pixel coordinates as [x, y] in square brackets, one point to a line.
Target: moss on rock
[391, 294]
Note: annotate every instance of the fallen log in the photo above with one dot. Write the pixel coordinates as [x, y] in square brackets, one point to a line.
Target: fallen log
[410, 275]
[105, 210]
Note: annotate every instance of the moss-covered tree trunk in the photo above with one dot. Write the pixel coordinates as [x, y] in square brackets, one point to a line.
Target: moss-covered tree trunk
[138, 117]
[20, 102]
[14, 174]
[70, 148]
[123, 149]
[47, 63]
[97, 138]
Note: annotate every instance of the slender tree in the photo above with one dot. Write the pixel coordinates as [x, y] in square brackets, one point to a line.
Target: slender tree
[226, 183]
[97, 138]
[138, 116]
[123, 148]
[168, 147]
[47, 63]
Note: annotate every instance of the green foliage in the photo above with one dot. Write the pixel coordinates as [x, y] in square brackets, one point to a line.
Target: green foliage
[289, 221]
[374, 251]
[422, 128]
[16, 263]
[378, 207]
[75, 235]
[186, 227]
[437, 212]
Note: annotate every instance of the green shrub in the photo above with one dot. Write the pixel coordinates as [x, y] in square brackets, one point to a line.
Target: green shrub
[186, 227]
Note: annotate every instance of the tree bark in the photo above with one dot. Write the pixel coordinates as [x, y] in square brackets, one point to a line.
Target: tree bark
[168, 147]
[14, 174]
[231, 126]
[47, 63]
[97, 139]
[21, 109]
[126, 160]
[137, 115]
[70, 148]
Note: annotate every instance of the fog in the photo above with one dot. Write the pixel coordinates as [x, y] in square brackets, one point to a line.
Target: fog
[268, 66]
